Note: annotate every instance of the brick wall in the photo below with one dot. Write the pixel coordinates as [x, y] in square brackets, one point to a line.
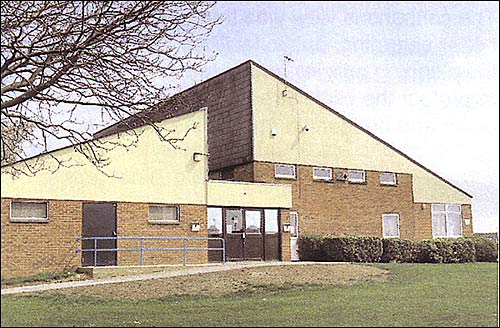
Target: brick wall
[33, 248]
[133, 221]
[285, 236]
[343, 208]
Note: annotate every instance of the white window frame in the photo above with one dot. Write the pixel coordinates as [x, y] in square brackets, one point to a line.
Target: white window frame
[446, 212]
[384, 183]
[350, 180]
[383, 232]
[284, 176]
[29, 219]
[320, 178]
[177, 215]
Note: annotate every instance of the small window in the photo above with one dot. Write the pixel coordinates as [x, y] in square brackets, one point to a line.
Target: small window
[388, 178]
[284, 171]
[356, 176]
[28, 212]
[322, 173]
[390, 225]
[163, 214]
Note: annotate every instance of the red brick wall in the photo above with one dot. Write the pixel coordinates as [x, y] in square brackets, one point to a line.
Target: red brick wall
[343, 208]
[133, 221]
[33, 248]
[285, 236]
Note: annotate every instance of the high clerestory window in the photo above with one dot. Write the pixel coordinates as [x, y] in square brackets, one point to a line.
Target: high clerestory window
[388, 178]
[356, 176]
[284, 171]
[29, 212]
[322, 173]
[163, 214]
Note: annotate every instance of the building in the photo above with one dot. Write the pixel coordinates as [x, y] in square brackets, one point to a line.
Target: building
[278, 162]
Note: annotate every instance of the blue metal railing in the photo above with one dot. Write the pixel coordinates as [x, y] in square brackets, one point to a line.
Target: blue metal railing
[142, 249]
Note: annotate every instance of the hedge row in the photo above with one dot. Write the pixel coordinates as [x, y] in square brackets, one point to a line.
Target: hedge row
[374, 249]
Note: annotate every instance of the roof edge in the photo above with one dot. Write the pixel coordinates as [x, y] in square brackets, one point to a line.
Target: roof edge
[357, 126]
[102, 132]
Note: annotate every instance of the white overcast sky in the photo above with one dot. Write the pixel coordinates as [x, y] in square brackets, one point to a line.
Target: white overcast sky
[422, 76]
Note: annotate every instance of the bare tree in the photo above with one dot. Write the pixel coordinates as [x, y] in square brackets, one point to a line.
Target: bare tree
[68, 67]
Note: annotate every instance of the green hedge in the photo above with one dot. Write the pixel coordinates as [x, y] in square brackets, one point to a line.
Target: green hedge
[374, 249]
[486, 249]
[447, 251]
[400, 250]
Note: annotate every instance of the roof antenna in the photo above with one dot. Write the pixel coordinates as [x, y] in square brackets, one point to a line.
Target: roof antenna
[285, 60]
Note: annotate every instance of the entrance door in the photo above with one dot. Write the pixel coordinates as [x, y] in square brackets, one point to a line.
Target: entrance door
[294, 235]
[250, 234]
[99, 220]
[252, 238]
[235, 234]
[272, 235]
[215, 231]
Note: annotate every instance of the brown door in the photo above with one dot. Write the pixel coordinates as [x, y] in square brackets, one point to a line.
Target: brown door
[272, 239]
[252, 238]
[215, 231]
[99, 220]
[234, 234]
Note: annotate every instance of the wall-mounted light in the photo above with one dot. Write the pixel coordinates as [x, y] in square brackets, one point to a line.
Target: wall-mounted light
[197, 157]
[274, 132]
[306, 128]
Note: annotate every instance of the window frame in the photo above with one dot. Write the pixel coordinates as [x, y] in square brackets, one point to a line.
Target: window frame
[16, 219]
[356, 181]
[318, 178]
[395, 183]
[173, 222]
[397, 222]
[446, 212]
[220, 232]
[282, 176]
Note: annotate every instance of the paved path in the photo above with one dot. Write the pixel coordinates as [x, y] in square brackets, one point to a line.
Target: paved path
[157, 275]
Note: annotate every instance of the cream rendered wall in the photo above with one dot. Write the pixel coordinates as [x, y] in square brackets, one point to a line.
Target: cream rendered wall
[246, 194]
[331, 141]
[151, 172]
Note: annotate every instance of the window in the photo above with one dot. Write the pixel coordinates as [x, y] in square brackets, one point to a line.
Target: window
[163, 214]
[234, 221]
[214, 220]
[356, 176]
[294, 222]
[284, 171]
[388, 178]
[322, 173]
[446, 220]
[271, 219]
[28, 212]
[252, 220]
[390, 225]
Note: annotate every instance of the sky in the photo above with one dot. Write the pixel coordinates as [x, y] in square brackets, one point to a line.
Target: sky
[422, 76]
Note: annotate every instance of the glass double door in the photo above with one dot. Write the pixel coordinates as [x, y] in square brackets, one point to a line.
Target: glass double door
[244, 234]
[249, 234]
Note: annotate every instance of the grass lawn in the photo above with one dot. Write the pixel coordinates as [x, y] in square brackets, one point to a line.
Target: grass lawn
[415, 295]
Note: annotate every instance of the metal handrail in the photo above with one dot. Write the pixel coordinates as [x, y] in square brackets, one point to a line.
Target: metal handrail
[143, 249]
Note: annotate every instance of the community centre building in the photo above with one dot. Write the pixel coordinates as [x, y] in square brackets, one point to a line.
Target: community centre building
[263, 162]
